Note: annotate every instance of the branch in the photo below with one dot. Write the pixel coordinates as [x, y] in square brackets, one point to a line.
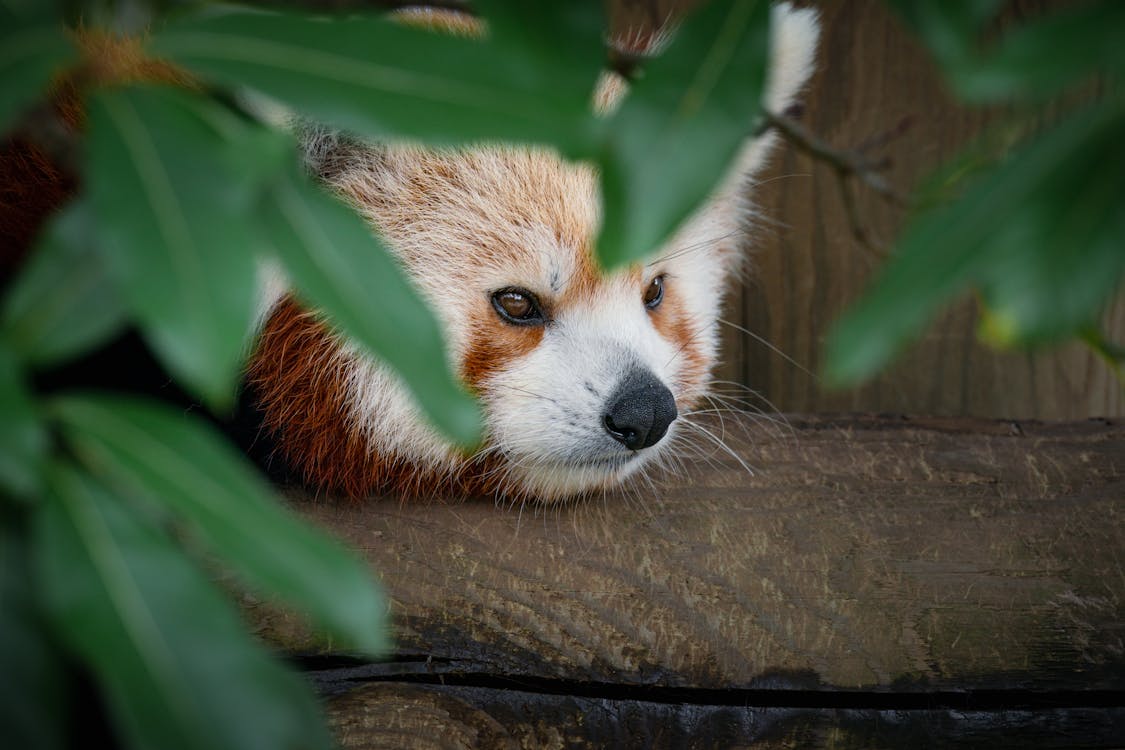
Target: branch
[846, 163]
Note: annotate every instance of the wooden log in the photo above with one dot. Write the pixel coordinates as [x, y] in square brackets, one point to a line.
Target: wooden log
[397, 715]
[892, 564]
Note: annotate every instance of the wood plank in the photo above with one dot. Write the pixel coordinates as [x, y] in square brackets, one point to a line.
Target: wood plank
[806, 267]
[875, 554]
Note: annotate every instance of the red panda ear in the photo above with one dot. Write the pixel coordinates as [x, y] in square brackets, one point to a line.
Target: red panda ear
[327, 152]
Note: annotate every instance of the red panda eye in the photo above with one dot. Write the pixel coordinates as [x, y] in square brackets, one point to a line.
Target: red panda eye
[654, 295]
[518, 306]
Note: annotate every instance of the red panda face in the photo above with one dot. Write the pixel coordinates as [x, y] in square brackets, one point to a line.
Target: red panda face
[582, 375]
[585, 378]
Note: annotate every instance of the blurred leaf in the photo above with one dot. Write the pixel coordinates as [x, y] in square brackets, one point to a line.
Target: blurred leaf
[951, 178]
[681, 125]
[170, 654]
[33, 47]
[950, 30]
[376, 77]
[338, 265]
[1035, 59]
[171, 178]
[1042, 234]
[23, 438]
[1113, 354]
[31, 688]
[63, 302]
[180, 463]
[1040, 58]
[554, 47]
[1054, 260]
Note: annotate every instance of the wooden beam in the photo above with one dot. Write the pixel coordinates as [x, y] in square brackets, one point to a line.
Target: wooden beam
[919, 560]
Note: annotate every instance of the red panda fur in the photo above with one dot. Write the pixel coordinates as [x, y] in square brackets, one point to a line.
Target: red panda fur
[465, 223]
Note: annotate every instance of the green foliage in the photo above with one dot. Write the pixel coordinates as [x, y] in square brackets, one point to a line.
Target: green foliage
[32, 47]
[333, 260]
[23, 439]
[64, 303]
[681, 126]
[176, 666]
[175, 461]
[376, 77]
[32, 689]
[118, 512]
[175, 155]
[109, 502]
[1037, 228]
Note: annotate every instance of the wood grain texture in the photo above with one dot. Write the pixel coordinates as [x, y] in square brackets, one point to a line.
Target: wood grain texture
[807, 267]
[866, 557]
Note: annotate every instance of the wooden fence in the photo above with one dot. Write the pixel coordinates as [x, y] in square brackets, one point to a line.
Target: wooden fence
[807, 266]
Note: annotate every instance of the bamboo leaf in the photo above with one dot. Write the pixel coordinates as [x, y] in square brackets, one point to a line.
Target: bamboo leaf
[680, 126]
[171, 192]
[178, 462]
[63, 303]
[169, 653]
[339, 265]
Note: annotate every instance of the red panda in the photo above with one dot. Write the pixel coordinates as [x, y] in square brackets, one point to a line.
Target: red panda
[585, 379]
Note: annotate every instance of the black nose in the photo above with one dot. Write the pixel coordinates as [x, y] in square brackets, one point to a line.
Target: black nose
[639, 411]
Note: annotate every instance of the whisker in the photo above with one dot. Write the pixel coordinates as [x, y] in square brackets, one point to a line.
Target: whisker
[771, 347]
[718, 442]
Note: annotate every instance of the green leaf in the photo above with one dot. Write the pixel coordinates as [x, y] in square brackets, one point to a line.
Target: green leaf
[339, 265]
[949, 29]
[373, 76]
[177, 461]
[1033, 60]
[169, 182]
[1054, 262]
[63, 303]
[33, 47]
[23, 438]
[1041, 234]
[170, 654]
[680, 126]
[31, 690]
[554, 47]
[1039, 59]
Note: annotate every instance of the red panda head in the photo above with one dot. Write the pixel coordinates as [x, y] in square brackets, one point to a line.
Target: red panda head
[584, 377]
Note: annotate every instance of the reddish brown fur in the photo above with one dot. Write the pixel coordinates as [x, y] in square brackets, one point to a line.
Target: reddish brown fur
[32, 188]
[493, 344]
[298, 376]
[34, 184]
[673, 320]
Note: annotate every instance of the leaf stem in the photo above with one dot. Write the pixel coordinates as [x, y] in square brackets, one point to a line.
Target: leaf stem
[1111, 353]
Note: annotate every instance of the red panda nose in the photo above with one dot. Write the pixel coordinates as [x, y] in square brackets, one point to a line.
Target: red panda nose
[639, 411]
